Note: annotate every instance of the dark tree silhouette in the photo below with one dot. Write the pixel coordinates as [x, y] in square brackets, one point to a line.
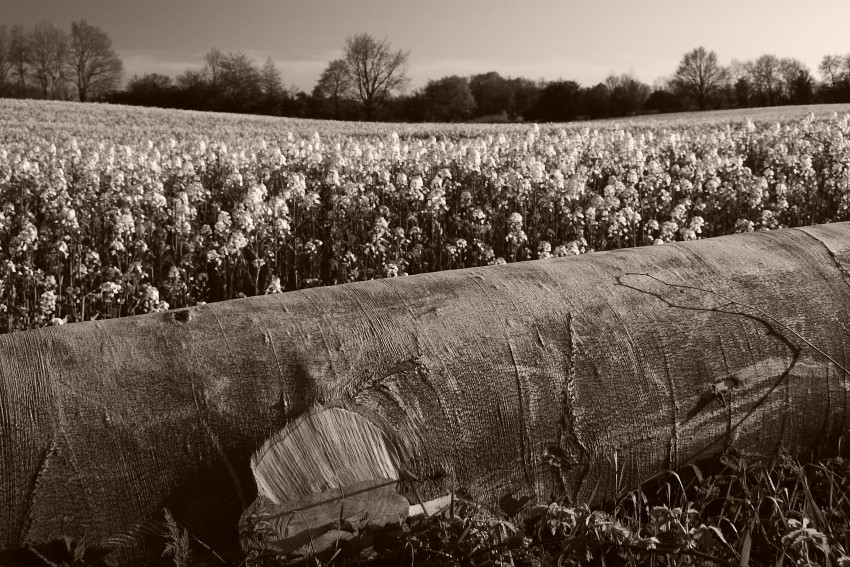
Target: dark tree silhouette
[96, 67]
[627, 94]
[48, 47]
[524, 93]
[832, 69]
[375, 71]
[5, 57]
[797, 81]
[19, 55]
[559, 101]
[662, 100]
[835, 70]
[151, 89]
[699, 76]
[765, 78]
[192, 91]
[448, 99]
[334, 86]
[492, 94]
[597, 101]
[212, 68]
[272, 86]
[239, 83]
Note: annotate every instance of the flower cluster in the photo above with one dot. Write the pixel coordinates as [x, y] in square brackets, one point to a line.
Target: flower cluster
[108, 211]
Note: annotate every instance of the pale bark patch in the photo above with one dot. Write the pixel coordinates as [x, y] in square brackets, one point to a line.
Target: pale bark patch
[321, 480]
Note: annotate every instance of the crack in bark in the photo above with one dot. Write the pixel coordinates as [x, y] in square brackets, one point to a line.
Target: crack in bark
[771, 331]
[845, 272]
[762, 320]
[569, 440]
[268, 339]
[26, 509]
[673, 449]
[523, 435]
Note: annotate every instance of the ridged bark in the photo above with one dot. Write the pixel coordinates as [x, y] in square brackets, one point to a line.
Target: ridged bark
[526, 377]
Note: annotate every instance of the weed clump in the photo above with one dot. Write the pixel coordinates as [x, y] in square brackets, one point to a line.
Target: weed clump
[742, 510]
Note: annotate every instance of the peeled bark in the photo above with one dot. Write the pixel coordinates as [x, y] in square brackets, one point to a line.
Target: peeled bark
[526, 378]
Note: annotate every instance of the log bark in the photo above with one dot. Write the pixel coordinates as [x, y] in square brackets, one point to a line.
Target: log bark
[526, 378]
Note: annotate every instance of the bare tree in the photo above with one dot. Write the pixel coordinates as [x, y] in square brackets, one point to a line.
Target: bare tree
[627, 94]
[270, 81]
[334, 85]
[96, 67]
[375, 70]
[49, 58]
[19, 54]
[191, 79]
[738, 81]
[213, 60]
[193, 90]
[831, 68]
[737, 70]
[790, 68]
[239, 82]
[5, 59]
[797, 82]
[699, 75]
[766, 78]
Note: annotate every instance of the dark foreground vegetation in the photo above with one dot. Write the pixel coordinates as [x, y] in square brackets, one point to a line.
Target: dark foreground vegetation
[740, 510]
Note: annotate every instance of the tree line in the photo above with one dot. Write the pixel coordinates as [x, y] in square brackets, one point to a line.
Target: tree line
[370, 82]
[51, 63]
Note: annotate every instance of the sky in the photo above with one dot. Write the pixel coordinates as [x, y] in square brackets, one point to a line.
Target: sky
[581, 40]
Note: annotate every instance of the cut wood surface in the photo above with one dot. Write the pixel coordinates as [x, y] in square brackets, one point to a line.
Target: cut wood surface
[525, 378]
[328, 473]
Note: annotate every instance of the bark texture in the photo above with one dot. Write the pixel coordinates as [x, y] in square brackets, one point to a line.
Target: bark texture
[523, 378]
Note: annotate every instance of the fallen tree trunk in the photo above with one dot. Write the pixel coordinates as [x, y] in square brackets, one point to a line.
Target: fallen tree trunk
[528, 378]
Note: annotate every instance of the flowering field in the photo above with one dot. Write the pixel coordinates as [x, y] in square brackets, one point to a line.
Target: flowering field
[108, 211]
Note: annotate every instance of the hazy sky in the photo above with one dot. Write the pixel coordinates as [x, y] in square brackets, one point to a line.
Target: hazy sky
[583, 40]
